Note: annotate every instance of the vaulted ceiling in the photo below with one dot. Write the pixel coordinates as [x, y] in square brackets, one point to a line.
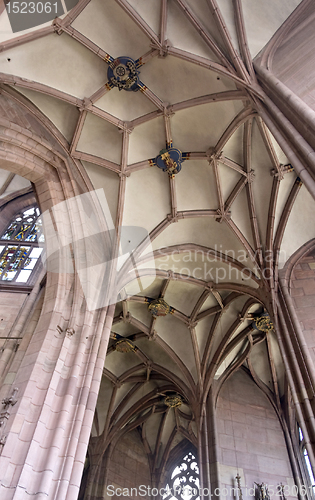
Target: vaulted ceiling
[212, 225]
[12, 186]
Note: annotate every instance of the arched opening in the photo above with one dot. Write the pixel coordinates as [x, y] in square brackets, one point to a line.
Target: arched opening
[183, 482]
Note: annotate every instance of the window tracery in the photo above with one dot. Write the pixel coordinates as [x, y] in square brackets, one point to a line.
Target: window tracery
[19, 250]
[184, 480]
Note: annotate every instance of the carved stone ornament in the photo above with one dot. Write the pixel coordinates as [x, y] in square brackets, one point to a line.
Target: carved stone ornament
[159, 307]
[70, 332]
[3, 440]
[5, 414]
[12, 400]
[169, 160]
[122, 73]
[263, 323]
[173, 401]
[124, 345]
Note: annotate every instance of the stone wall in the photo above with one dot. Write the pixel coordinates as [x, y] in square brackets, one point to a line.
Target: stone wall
[129, 467]
[303, 296]
[10, 305]
[250, 439]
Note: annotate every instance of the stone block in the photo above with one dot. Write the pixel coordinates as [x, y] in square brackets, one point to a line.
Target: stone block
[301, 274]
[229, 457]
[297, 292]
[305, 301]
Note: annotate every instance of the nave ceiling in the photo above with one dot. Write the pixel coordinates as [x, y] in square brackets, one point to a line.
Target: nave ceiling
[212, 225]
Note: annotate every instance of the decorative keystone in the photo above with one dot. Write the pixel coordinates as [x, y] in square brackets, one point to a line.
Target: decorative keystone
[124, 345]
[159, 307]
[123, 73]
[169, 160]
[173, 401]
[263, 323]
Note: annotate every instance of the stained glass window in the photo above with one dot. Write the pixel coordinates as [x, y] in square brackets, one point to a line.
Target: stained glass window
[184, 480]
[19, 250]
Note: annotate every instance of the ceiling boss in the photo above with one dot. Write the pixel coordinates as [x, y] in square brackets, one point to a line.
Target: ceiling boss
[123, 73]
[169, 160]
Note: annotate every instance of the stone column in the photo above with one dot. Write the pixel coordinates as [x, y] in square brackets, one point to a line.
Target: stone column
[212, 440]
[291, 121]
[50, 424]
[301, 389]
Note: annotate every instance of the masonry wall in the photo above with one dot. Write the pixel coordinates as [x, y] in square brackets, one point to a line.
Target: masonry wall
[10, 306]
[250, 439]
[129, 466]
[303, 296]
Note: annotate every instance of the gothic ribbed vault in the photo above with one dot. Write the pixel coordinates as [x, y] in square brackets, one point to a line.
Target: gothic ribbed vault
[220, 228]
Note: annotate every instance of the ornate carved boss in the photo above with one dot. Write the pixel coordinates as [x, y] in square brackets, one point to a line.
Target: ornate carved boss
[124, 345]
[173, 401]
[263, 323]
[169, 160]
[158, 307]
[123, 73]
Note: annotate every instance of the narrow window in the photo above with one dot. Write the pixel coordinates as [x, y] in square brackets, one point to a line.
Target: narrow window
[19, 249]
[184, 480]
[306, 459]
